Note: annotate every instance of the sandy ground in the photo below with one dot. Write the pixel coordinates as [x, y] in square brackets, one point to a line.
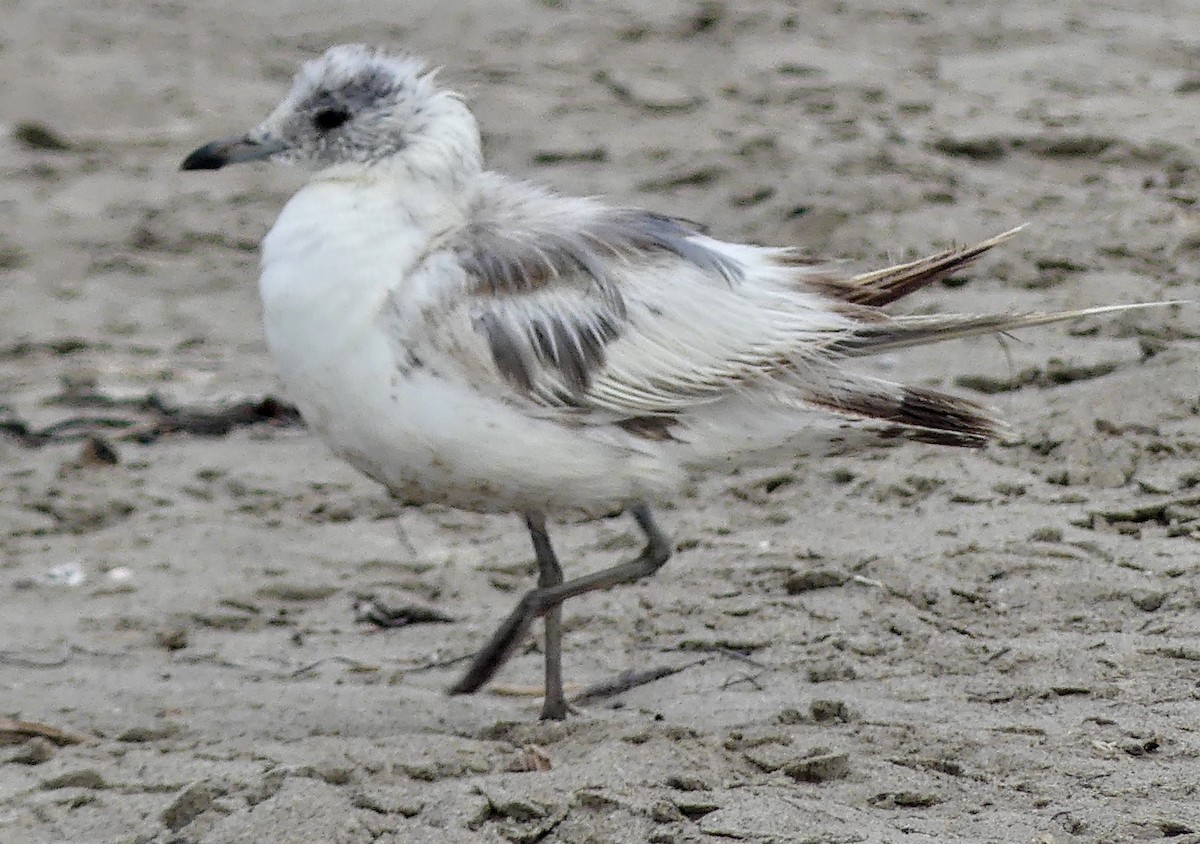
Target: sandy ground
[904, 645]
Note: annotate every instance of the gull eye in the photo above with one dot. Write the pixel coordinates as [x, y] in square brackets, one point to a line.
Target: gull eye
[330, 118]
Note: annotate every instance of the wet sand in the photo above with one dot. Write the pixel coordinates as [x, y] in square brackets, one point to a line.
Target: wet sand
[907, 644]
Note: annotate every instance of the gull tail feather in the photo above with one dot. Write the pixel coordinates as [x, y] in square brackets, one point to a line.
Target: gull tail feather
[892, 411]
[882, 287]
[903, 331]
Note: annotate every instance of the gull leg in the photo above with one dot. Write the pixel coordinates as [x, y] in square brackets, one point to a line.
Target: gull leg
[540, 601]
[554, 706]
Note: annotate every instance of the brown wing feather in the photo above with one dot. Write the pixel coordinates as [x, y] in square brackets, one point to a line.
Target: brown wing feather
[882, 287]
[918, 414]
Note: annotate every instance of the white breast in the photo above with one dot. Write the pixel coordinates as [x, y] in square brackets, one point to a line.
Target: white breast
[332, 264]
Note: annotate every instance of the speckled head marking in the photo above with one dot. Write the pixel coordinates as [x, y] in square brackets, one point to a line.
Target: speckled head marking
[352, 105]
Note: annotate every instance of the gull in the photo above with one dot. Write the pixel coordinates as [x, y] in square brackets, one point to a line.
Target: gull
[472, 340]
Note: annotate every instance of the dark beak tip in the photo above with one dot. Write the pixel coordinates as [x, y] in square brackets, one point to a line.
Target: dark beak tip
[208, 157]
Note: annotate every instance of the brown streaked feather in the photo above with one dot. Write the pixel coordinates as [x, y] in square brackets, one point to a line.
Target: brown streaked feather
[657, 428]
[885, 286]
[922, 415]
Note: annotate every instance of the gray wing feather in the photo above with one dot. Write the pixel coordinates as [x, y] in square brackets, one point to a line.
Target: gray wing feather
[522, 238]
[525, 339]
[545, 276]
[624, 317]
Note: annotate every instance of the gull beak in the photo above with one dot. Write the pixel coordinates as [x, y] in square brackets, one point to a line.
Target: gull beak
[216, 155]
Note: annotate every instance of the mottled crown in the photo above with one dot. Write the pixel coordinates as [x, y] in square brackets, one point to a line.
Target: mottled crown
[354, 104]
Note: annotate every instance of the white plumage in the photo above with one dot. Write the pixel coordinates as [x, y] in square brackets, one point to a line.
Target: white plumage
[475, 341]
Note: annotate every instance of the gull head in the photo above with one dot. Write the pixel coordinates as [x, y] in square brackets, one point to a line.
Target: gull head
[353, 105]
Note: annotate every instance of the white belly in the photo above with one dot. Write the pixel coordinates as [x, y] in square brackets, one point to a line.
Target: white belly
[427, 438]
